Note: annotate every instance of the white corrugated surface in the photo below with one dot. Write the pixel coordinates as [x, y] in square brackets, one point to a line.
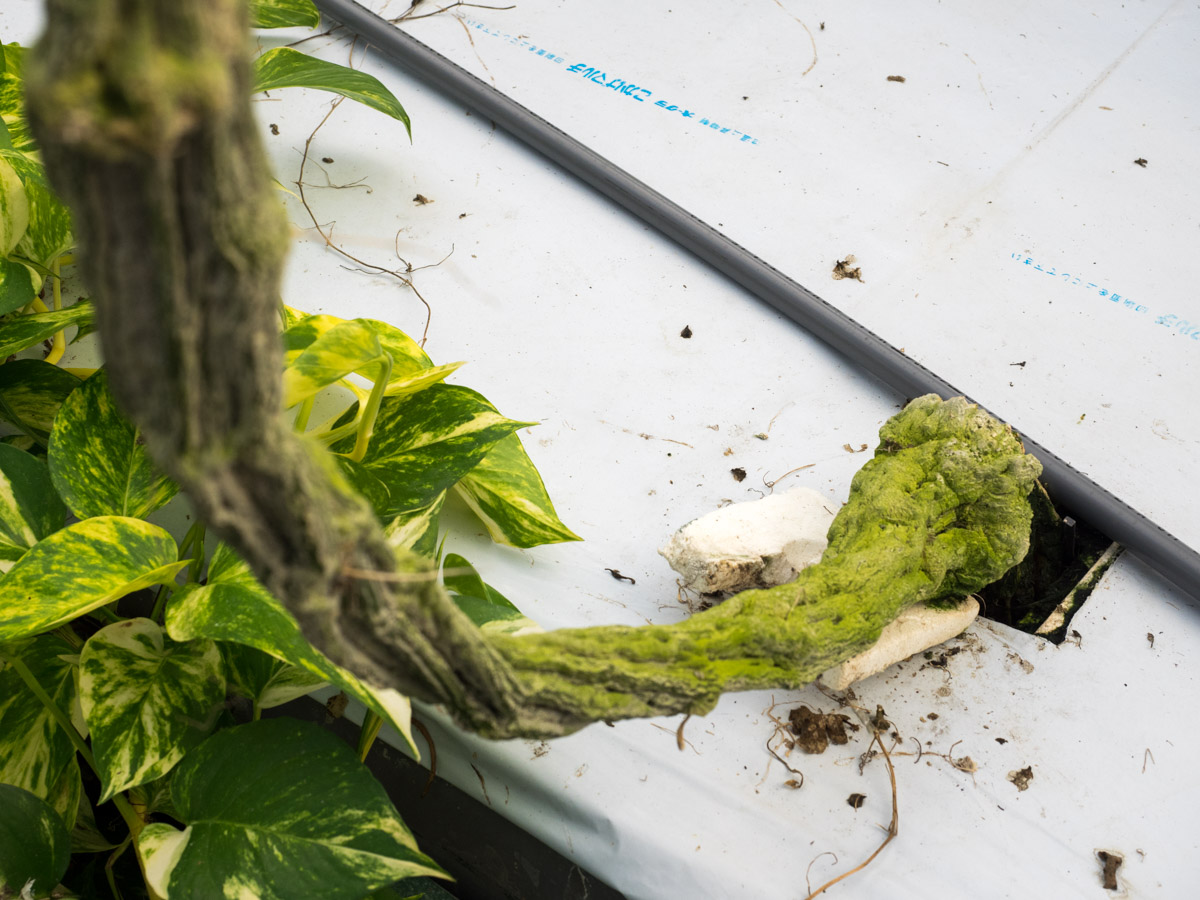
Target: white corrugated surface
[571, 313]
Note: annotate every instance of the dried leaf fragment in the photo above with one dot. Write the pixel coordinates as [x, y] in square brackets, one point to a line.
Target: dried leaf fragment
[1021, 777]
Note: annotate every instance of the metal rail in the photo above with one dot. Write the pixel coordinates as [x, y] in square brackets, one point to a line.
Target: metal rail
[1070, 489]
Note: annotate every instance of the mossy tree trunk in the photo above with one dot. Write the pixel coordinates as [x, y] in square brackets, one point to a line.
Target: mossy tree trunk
[142, 110]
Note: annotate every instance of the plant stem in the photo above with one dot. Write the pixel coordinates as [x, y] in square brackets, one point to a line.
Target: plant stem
[302, 415]
[372, 722]
[366, 425]
[197, 553]
[59, 345]
[67, 633]
[64, 722]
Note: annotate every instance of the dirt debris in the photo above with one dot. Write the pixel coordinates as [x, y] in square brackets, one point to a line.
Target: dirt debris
[842, 269]
[816, 730]
[1111, 863]
[1021, 777]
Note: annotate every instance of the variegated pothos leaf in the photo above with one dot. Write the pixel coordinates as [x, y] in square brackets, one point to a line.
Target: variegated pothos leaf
[417, 530]
[233, 606]
[31, 393]
[29, 507]
[19, 333]
[34, 750]
[341, 350]
[507, 493]
[14, 208]
[263, 679]
[424, 443]
[81, 567]
[283, 14]
[97, 460]
[35, 847]
[147, 700]
[284, 67]
[483, 604]
[275, 810]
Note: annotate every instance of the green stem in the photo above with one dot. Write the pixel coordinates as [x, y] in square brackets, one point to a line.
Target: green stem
[302, 415]
[57, 714]
[372, 722]
[366, 426]
[112, 861]
[336, 434]
[197, 553]
[103, 612]
[59, 345]
[67, 633]
[132, 820]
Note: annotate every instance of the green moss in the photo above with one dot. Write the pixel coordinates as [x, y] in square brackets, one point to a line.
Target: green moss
[939, 512]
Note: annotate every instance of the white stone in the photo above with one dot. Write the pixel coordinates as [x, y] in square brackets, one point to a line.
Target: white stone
[757, 544]
[916, 629]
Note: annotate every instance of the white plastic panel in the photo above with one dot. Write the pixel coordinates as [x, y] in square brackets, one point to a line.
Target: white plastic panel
[1007, 238]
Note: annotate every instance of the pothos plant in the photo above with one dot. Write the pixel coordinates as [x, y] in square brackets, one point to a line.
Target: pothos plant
[134, 667]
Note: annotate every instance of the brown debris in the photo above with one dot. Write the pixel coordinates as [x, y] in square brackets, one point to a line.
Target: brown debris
[856, 800]
[815, 731]
[421, 200]
[739, 474]
[897, 78]
[842, 269]
[336, 705]
[1021, 777]
[1111, 862]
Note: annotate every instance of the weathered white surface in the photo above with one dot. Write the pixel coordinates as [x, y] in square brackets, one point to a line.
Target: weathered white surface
[756, 544]
[916, 629]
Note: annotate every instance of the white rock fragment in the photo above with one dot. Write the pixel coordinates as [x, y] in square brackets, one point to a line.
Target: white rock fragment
[916, 629]
[756, 544]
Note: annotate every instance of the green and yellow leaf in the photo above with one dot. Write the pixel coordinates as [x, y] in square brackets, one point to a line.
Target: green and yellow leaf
[14, 208]
[263, 679]
[49, 234]
[303, 330]
[283, 14]
[12, 99]
[17, 286]
[284, 67]
[29, 507]
[67, 794]
[31, 393]
[339, 351]
[35, 846]
[483, 604]
[19, 333]
[417, 529]
[275, 810]
[81, 567]
[97, 460]
[411, 384]
[424, 443]
[233, 606]
[147, 700]
[35, 752]
[507, 493]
